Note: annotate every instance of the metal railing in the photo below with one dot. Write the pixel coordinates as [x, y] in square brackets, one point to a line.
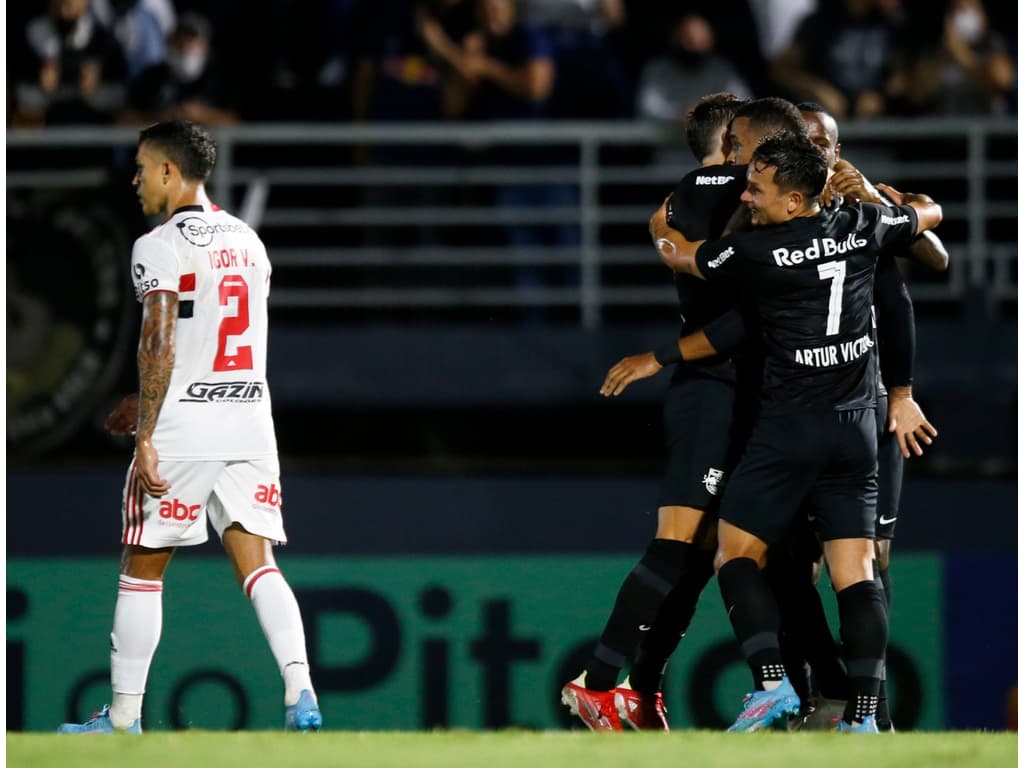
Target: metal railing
[434, 204]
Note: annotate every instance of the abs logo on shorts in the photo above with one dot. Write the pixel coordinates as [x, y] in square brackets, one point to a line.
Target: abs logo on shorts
[176, 510]
[268, 495]
[714, 481]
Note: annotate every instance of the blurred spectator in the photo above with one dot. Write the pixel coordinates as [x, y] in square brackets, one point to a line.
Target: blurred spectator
[777, 22]
[504, 68]
[591, 80]
[670, 86]
[74, 68]
[138, 31]
[162, 10]
[962, 67]
[341, 20]
[398, 74]
[842, 55]
[189, 85]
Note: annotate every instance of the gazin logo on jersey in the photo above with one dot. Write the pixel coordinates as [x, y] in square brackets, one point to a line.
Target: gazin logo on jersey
[223, 392]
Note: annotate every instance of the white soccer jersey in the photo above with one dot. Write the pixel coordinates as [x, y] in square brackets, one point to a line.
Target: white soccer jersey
[217, 405]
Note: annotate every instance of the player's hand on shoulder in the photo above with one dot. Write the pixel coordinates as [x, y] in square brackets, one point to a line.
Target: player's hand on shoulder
[851, 184]
[628, 370]
[121, 421]
[907, 421]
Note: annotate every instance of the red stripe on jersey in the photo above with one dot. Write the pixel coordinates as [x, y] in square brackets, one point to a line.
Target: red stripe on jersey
[187, 282]
[214, 207]
[255, 576]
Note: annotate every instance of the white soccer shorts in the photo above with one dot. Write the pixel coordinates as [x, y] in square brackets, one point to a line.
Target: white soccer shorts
[226, 492]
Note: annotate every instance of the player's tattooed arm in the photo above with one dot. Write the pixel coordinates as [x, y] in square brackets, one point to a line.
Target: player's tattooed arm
[674, 250]
[156, 361]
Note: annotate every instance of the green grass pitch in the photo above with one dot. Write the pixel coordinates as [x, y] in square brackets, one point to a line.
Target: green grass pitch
[508, 749]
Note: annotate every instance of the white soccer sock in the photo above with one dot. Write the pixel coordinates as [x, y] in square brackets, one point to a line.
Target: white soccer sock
[138, 620]
[278, 614]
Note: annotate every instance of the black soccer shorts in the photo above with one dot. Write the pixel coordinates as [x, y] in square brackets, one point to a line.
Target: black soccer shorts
[824, 458]
[701, 433]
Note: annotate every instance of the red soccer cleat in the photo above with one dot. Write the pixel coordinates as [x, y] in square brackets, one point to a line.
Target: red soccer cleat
[640, 711]
[595, 708]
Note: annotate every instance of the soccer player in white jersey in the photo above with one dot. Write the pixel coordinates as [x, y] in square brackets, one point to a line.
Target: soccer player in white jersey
[204, 437]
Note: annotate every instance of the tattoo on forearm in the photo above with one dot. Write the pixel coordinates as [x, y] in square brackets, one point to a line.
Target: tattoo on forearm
[156, 357]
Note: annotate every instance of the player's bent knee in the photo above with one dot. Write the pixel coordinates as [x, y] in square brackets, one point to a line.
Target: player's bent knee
[850, 561]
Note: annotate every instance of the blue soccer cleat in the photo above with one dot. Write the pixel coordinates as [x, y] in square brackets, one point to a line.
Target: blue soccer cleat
[762, 708]
[867, 725]
[304, 715]
[99, 724]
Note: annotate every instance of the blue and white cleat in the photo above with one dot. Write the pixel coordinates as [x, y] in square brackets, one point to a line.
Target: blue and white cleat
[867, 725]
[99, 724]
[304, 715]
[762, 708]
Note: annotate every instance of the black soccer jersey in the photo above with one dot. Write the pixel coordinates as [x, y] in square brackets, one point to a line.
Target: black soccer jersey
[700, 207]
[811, 279]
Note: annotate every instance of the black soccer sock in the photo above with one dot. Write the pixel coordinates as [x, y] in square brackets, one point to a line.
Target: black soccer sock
[883, 716]
[784, 576]
[806, 627]
[755, 618]
[636, 608]
[863, 626]
[673, 620]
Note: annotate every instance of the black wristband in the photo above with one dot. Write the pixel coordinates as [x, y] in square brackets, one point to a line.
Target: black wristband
[668, 354]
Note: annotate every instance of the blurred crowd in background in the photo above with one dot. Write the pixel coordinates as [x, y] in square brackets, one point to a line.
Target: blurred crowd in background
[225, 61]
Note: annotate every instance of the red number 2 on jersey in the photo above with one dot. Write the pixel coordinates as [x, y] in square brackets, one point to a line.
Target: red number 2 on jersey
[234, 325]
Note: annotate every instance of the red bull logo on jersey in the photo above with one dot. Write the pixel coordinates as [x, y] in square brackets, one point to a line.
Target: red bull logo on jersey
[818, 247]
[177, 510]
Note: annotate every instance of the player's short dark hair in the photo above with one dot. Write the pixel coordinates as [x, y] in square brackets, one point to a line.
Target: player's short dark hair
[186, 144]
[772, 116]
[799, 164]
[706, 120]
[813, 106]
